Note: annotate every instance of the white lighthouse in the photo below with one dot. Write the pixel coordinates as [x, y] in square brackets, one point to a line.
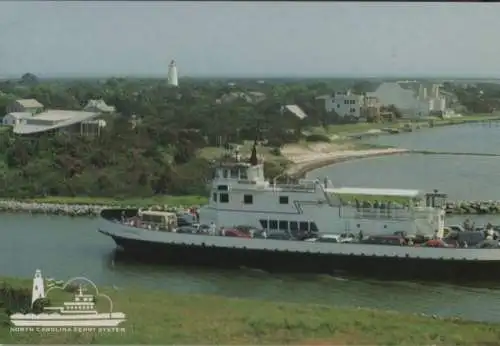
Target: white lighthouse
[38, 287]
[172, 74]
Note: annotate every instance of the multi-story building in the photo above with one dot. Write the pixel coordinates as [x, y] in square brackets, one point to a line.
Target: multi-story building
[344, 103]
[349, 105]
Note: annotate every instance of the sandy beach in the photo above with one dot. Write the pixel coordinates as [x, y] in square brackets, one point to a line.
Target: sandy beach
[323, 154]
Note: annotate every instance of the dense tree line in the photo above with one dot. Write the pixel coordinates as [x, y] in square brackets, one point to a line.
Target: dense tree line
[150, 146]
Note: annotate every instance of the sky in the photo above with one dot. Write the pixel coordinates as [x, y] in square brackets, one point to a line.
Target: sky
[249, 39]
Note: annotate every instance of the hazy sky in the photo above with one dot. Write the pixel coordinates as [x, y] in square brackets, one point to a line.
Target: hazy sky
[57, 38]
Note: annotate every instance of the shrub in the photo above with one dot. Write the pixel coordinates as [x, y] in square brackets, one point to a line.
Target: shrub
[318, 138]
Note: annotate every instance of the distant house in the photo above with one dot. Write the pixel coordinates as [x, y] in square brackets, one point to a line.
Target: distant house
[410, 102]
[99, 106]
[25, 106]
[250, 97]
[343, 103]
[52, 121]
[15, 118]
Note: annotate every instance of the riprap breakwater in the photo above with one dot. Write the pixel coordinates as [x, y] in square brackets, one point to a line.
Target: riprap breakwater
[87, 210]
[473, 207]
[92, 210]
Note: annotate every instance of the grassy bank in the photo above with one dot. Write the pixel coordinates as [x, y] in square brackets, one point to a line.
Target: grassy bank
[346, 129]
[155, 317]
[139, 202]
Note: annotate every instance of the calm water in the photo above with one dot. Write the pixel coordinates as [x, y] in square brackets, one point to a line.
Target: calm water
[64, 248]
[462, 177]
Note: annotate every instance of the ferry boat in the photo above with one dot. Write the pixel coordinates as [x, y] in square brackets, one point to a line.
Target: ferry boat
[240, 195]
[80, 312]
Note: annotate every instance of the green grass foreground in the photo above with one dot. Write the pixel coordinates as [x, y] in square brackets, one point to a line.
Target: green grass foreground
[136, 202]
[156, 317]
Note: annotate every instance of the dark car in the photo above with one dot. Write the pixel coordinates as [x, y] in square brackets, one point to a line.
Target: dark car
[186, 220]
[275, 236]
[459, 238]
[384, 240]
[187, 229]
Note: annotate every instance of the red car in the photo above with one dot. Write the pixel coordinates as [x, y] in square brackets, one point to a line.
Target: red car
[235, 233]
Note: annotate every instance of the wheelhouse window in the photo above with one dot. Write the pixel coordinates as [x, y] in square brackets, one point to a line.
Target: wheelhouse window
[243, 174]
[314, 228]
[283, 225]
[248, 199]
[304, 226]
[224, 198]
[283, 199]
[234, 173]
[273, 224]
[263, 223]
[222, 188]
[294, 226]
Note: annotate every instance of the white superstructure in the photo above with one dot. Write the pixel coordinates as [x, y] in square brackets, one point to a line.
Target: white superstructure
[172, 74]
[240, 195]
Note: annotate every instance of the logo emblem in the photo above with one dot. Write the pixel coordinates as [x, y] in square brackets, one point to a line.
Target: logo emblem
[79, 314]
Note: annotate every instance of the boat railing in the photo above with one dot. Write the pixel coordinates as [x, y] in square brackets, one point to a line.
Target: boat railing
[297, 187]
[390, 214]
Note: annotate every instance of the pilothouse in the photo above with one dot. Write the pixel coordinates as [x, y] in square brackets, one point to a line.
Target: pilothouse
[240, 195]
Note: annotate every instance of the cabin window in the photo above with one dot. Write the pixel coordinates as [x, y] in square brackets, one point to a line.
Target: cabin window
[234, 173]
[247, 199]
[304, 226]
[273, 224]
[283, 225]
[283, 199]
[224, 198]
[214, 197]
[225, 173]
[243, 174]
[222, 188]
[294, 226]
[314, 228]
[263, 223]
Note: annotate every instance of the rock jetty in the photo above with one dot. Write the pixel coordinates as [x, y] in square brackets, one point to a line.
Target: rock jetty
[91, 210]
[88, 210]
[473, 207]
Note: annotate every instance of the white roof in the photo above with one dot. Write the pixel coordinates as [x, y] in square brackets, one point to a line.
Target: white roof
[20, 115]
[64, 118]
[29, 103]
[375, 192]
[296, 110]
[101, 105]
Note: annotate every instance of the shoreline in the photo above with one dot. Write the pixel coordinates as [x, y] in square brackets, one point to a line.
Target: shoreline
[196, 319]
[311, 161]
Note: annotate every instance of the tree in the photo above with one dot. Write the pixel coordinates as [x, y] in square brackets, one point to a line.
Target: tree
[29, 79]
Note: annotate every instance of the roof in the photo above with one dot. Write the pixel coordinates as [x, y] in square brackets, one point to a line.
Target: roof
[62, 118]
[29, 103]
[20, 115]
[100, 105]
[296, 110]
[375, 192]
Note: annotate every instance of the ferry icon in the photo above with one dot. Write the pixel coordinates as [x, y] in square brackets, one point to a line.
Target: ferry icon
[80, 312]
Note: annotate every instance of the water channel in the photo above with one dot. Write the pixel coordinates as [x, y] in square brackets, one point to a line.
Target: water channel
[65, 247]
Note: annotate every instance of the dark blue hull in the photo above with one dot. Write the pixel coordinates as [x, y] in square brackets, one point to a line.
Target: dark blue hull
[380, 267]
